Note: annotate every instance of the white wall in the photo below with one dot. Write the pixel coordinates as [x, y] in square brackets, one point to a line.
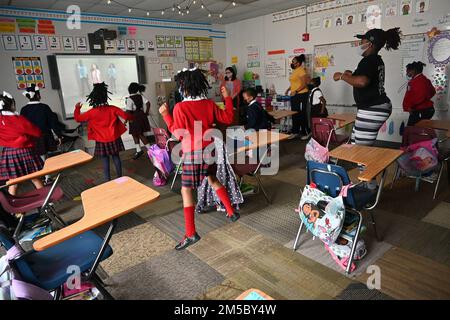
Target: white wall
[287, 35]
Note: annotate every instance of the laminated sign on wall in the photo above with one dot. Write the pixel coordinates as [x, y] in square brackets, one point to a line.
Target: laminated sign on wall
[253, 57]
[28, 70]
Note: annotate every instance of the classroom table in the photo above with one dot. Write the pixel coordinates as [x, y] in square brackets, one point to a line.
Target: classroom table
[435, 124]
[261, 139]
[101, 204]
[375, 160]
[342, 119]
[280, 114]
[54, 164]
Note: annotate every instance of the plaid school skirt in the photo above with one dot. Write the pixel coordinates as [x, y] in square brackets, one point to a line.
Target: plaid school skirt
[45, 144]
[18, 162]
[196, 167]
[109, 148]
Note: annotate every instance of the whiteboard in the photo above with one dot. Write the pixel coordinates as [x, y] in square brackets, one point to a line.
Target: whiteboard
[332, 58]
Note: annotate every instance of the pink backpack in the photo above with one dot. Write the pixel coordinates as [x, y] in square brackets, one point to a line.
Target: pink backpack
[316, 152]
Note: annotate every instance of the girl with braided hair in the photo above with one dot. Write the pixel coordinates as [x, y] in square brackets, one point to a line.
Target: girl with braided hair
[104, 127]
[196, 111]
[420, 90]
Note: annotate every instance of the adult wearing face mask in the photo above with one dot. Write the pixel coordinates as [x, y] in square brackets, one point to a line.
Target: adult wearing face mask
[299, 98]
[417, 100]
[374, 107]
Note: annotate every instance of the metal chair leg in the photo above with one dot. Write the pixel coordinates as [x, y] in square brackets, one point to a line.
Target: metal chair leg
[19, 227]
[355, 242]
[438, 180]
[298, 236]
[395, 177]
[262, 188]
[374, 226]
[176, 174]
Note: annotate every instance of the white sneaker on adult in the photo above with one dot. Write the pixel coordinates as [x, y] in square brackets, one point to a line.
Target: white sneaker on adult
[306, 137]
[293, 136]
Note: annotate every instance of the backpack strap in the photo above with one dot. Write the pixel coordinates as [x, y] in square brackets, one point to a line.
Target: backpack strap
[28, 291]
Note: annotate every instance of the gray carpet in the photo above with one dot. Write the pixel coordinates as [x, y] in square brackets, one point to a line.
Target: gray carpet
[173, 275]
[73, 185]
[125, 222]
[359, 291]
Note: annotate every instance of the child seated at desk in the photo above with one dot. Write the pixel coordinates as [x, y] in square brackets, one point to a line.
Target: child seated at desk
[257, 117]
[316, 100]
[17, 137]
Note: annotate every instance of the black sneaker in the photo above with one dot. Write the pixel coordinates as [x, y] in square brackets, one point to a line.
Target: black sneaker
[234, 217]
[187, 241]
[138, 154]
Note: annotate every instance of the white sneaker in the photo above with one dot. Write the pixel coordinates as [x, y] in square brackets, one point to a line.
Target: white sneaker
[306, 137]
[293, 136]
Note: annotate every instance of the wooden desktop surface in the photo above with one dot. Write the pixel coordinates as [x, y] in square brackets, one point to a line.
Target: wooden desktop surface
[436, 124]
[56, 164]
[343, 119]
[280, 114]
[263, 138]
[102, 204]
[373, 158]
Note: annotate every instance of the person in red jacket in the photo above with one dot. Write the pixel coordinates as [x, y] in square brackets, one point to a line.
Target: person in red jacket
[17, 136]
[104, 127]
[191, 119]
[417, 100]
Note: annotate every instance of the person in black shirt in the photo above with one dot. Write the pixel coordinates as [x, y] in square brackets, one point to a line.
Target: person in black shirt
[257, 117]
[374, 107]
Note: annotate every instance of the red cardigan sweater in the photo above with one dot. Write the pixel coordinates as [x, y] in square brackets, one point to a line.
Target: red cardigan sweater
[418, 94]
[104, 124]
[205, 112]
[16, 131]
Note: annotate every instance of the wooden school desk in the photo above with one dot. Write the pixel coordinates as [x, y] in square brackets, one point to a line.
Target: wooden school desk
[280, 114]
[343, 119]
[261, 139]
[52, 165]
[375, 160]
[435, 124]
[101, 204]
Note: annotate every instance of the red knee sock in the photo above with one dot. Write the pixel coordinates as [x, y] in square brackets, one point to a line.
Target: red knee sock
[189, 221]
[223, 196]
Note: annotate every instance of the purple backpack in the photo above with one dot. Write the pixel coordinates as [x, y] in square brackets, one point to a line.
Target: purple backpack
[161, 161]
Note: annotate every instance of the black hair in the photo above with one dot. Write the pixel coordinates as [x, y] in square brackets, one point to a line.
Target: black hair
[135, 88]
[99, 95]
[300, 59]
[392, 37]
[251, 92]
[316, 81]
[193, 83]
[7, 103]
[37, 94]
[233, 77]
[416, 66]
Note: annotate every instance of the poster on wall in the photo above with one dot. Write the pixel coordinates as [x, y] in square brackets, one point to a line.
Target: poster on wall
[141, 45]
[276, 67]
[405, 7]
[9, 42]
[178, 41]
[54, 43]
[28, 70]
[198, 49]
[167, 53]
[40, 42]
[151, 45]
[170, 42]
[110, 46]
[160, 42]
[422, 6]
[338, 19]
[374, 17]
[121, 45]
[350, 18]
[327, 22]
[25, 43]
[362, 15]
[81, 43]
[391, 9]
[131, 45]
[315, 23]
[68, 44]
[253, 57]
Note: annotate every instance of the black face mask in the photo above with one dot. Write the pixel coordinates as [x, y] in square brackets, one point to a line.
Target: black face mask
[292, 66]
[310, 87]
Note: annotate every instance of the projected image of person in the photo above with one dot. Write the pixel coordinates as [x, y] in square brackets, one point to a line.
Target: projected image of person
[112, 77]
[96, 76]
[83, 78]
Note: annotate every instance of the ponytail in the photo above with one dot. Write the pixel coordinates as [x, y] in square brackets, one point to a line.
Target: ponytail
[141, 88]
[416, 66]
[392, 37]
[301, 58]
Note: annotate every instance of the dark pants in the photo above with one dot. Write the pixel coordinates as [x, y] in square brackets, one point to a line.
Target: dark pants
[416, 116]
[300, 120]
[117, 164]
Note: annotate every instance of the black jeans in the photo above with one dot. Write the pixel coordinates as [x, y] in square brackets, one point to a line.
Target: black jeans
[300, 120]
[416, 116]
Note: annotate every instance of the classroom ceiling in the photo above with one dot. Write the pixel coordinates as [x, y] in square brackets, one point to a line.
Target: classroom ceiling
[243, 9]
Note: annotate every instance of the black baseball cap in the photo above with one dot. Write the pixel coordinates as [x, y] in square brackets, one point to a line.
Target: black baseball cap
[376, 36]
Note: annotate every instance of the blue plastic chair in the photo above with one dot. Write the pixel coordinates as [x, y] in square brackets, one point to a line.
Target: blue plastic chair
[48, 269]
[330, 179]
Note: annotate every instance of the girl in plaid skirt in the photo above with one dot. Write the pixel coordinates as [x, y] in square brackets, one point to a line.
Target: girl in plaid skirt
[197, 111]
[104, 127]
[17, 136]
